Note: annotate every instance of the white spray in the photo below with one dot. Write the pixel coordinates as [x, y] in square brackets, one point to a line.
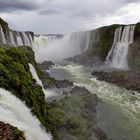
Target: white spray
[59, 49]
[12, 39]
[2, 35]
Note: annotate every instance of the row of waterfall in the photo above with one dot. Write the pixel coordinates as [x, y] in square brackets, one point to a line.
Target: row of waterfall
[58, 47]
[117, 56]
[14, 38]
[51, 47]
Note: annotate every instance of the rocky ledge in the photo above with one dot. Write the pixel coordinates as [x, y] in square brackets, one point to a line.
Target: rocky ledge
[8, 132]
[128, 79]
[50, 82]
[46, 65]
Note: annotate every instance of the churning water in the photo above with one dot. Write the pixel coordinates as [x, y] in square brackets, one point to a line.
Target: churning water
[118, 108]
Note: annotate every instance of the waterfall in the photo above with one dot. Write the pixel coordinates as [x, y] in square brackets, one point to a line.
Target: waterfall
[26, 40]
[39, 82]
[31, 39]
[44, 40]
[12, 40]
[117, 56]
[19, 40]
[15, 39]
[34, 75]
[67, 46]
[2, 36]
[14, 112]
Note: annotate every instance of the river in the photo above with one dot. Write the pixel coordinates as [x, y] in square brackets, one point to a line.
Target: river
[118, 108]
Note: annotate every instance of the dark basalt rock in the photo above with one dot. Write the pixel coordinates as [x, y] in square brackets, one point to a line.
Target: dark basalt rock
[8, 132]
[129, 80]
[46, 65]
[51, 82]
[79, 91]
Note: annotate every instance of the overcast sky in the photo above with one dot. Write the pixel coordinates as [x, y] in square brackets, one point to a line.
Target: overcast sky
[63, 16]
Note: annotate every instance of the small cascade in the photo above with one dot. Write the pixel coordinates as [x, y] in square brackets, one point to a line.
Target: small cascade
[14, 112]
[2, 36]
[34, 75]
[19, 40]
[31, 39]
[38, 81]
[26, 39]
[117, 56]
[12, 40]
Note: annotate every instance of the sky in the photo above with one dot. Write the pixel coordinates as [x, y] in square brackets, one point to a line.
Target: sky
[64, 16]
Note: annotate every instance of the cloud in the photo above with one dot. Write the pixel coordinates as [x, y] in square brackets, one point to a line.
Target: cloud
[60, 16]
[15, 5]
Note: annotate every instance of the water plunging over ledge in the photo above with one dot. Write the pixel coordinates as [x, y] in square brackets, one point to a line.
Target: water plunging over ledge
[117, 56]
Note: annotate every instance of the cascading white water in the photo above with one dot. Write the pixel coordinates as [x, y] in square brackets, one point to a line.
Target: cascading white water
[39, 82]
[34, 75]
[19, 40]
[15, 39]
[12, 39]
[2, 36]
[43, 41]
[31, 40]
[117, 56]
[14, 112]
[26, 39]
[80, 40]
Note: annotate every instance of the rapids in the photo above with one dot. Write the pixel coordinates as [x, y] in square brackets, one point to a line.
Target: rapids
[118, 108]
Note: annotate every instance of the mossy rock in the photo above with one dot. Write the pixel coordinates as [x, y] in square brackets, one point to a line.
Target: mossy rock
[134, 51]
[16, 77]
[68, 117]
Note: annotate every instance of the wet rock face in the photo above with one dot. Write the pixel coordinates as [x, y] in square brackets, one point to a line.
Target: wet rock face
[8, 132]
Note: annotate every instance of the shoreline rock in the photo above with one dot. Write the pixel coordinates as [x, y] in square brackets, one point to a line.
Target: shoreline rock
[128, 79]
[50, 82]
